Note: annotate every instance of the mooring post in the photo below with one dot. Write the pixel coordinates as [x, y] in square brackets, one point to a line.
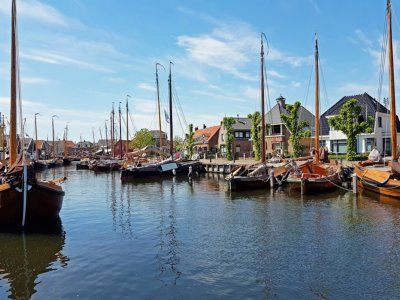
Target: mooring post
[302, 187]
[354, 180]
[271, 178]
[190, 172]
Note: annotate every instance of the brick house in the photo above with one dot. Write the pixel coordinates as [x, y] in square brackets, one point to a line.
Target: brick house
[277, 136]
[206, 139]
[242, 144]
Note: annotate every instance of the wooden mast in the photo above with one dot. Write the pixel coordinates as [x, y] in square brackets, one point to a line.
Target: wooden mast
[112, 131]
[52, 126]
[316, 102]
[391, 85]
[127, 126]
[105, 123]
[36, 143]
[120, 133]
[13, 100]
[171, 130]
[159, 108]
[262, 104]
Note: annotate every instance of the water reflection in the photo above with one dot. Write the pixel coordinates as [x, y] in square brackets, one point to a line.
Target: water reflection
[25, 255]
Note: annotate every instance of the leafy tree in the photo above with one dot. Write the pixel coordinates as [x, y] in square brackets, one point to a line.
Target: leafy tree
[178, 143]
[296, 127]
[190, 140]
[256, 133]
[228, 124]
[348, 122]
[142, 138]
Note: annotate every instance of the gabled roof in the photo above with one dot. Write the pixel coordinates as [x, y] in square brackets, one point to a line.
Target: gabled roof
[273, 117]
[368, 104]
[207, 133]
[242, 123]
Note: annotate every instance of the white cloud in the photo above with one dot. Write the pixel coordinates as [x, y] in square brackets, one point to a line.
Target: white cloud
[41, 12]
[295, 84]
[61, 59]
[146, 87]
[34, 80]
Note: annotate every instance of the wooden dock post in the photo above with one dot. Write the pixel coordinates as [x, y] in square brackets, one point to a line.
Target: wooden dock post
[354, 180]
[271, 178]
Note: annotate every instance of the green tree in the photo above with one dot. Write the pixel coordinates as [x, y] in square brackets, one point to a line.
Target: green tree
[348, 122]
[256, 133]
[178, 143]
[190, 140]
[296, 127]
[142, 138]
[228, 124]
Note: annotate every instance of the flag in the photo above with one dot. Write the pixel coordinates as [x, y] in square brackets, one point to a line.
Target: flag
[166, 116]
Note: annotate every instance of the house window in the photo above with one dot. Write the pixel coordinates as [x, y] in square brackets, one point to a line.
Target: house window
[339, 146]
[380, 122]
[238, 134]
[247, 134]
[369, 144]
[223, 149]
[276, 129]
[387, 146]
[222, 137]
[237, 149]
[277, 147]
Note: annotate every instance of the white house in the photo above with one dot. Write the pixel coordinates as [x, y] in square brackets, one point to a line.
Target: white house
[336, 140]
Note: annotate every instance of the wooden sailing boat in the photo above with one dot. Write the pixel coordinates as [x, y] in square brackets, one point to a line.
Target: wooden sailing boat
[23, 198]
[168, 166]
[257, 176]
[315, 176]
[385, 180]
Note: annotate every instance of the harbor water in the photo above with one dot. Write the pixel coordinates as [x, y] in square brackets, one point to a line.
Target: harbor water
[173, 238]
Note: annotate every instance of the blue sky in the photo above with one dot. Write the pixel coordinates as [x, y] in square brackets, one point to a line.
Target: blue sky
[79, 56]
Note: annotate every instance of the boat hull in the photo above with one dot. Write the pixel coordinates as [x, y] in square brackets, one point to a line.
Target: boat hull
[314, 185]
[44, 202]
[241, 183]
[388, 187]
[160, 169]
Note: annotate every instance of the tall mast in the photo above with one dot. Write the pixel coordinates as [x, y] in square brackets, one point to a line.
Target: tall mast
[391, 84]
[13, 104]
[159, 108]
[316, 103]
[262, 104]
[105, 123]
[94, 141]
[112, 131]
[120, 132]
[52, 126]
[127, 126]
[171, 129]
[36, 144]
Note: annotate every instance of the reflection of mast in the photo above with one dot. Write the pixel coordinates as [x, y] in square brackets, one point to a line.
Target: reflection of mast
[168, 252]
[20, 263]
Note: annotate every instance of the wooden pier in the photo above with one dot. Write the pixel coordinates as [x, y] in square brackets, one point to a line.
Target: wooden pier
[218, 168]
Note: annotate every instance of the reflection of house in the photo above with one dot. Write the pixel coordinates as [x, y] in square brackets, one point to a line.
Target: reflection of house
[277, 136]
[206, 139]
[118, 147]
[156, 136]
[336, 140]
[241, 143]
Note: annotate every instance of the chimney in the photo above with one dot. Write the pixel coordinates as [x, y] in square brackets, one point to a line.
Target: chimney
[196, 128]
[281, 101]
[204, 126]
